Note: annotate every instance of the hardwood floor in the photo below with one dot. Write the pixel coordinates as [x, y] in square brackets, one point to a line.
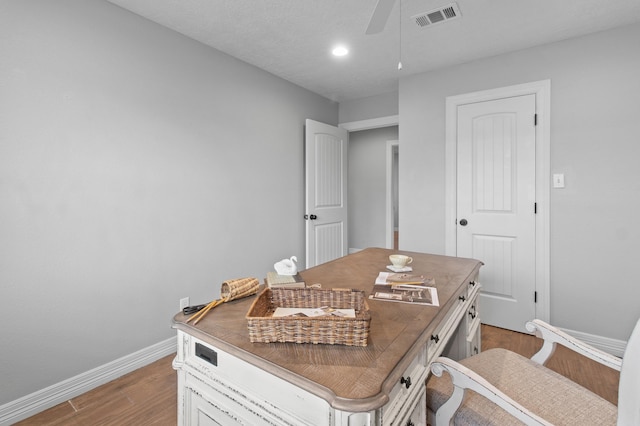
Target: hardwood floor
[590, 374]
[143, 397]
[148, 396]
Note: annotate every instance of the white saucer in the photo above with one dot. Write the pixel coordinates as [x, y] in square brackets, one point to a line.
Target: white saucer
[396, 269]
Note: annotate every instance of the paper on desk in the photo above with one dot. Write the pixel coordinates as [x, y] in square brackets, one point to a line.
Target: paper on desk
[314, 312]
[392, 278]
[405, 288]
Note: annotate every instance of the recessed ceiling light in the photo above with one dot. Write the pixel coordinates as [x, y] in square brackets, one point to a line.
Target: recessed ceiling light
[340, 51]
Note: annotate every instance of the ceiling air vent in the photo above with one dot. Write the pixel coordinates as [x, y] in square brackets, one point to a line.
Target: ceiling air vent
[436, 16]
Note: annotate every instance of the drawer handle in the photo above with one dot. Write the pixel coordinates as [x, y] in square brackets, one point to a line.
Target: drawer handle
[406, 382]
[472, 283]
[410, 423]
[207, 354]
[472, 315]
[462, 298]
[435, 338]
[475, 349]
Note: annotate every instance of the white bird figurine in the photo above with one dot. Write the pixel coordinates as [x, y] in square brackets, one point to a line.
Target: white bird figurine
[287, 266]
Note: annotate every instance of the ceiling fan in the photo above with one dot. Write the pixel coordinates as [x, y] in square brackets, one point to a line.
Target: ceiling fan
[380, 16]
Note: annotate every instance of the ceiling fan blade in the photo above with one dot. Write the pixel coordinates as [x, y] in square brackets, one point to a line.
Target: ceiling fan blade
[380, 16]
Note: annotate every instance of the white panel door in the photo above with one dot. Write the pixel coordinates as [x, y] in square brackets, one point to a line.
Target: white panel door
[326, 192]
[496, 205]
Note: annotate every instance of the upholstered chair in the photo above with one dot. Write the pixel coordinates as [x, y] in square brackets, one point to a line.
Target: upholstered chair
[500, 387]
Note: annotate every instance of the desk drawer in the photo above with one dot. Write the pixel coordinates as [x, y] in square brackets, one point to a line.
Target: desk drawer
[473, 311]
[446, 329]
[246, 391]
[202, 410]
[472, 286]
[474, 339]
[416, 414]
[406, 390]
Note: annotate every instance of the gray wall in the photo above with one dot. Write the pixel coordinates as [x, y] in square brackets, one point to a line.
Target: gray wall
[367, 190]
[594, 141]
[137, 167]
[382, 105]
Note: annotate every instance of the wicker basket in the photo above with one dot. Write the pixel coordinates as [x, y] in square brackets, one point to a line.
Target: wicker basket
[331, 330]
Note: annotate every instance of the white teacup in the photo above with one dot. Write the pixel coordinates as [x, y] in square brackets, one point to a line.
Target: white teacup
[400, 260]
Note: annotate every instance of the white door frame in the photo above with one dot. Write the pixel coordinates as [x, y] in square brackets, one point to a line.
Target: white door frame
[389, 195]
[376, 123]
[542, 90]
[373, 123]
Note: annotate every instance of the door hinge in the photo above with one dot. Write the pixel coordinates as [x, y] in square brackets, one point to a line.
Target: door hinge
[535, 297]
[535, 119]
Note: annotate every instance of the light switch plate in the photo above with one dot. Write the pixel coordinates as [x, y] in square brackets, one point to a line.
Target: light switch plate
[558, 180]
[184, 302]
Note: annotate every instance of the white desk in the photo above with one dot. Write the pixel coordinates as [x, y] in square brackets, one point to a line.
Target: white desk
[224, 379]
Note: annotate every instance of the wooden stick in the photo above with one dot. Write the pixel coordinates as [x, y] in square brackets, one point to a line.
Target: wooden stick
[203, 310]
[218, 302]
[207, 308]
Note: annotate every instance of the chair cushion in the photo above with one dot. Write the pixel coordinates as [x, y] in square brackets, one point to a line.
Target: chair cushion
[543, 391]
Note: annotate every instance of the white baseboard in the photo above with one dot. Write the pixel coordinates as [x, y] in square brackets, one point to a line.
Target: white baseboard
[41, 400]
[612, 346]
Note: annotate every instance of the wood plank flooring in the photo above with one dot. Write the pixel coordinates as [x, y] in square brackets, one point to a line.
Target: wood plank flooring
[590, 374]
[148, 396]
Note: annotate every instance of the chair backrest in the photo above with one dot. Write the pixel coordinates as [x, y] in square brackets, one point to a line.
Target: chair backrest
[629, 387]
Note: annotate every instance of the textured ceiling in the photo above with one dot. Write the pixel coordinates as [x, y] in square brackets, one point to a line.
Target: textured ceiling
[293, 38]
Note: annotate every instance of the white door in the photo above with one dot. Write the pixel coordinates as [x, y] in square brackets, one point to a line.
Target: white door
[496, 189]
[326, 192]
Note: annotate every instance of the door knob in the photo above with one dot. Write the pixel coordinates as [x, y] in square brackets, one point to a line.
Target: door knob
[406, 382]
[463, 222]
[313, 217]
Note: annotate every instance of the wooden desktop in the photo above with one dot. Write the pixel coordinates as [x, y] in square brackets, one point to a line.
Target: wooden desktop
[225, 379]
